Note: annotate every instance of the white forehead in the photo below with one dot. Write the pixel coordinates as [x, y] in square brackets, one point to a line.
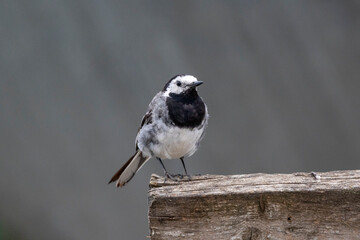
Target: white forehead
[174, 88]
[185, 79]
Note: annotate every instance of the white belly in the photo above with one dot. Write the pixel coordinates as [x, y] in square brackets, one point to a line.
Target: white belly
[177, 143]
[174, 142]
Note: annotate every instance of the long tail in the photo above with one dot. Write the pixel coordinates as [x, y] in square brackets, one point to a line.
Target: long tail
[126, 172]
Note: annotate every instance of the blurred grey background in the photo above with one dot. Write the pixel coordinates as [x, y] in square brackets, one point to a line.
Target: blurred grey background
[281, 83]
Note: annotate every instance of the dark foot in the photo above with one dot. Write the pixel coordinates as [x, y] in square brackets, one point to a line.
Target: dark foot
[199, 175]
[182, 176]
[315, 175]
[176, 177]
[170, 176]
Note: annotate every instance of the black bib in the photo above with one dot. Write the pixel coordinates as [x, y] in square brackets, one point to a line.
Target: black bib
[186, 109]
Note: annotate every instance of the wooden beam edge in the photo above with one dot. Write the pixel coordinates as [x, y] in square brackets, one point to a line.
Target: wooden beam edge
[346, 180]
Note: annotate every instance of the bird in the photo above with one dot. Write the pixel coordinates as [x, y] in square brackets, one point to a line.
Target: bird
[172, 128]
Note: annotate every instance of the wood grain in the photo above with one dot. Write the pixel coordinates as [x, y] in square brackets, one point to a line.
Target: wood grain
[257, 206]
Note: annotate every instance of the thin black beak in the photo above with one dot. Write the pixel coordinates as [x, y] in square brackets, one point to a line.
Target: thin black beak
[195, 84]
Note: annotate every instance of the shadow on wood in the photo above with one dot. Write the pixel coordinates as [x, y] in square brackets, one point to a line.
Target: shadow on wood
[257, 206]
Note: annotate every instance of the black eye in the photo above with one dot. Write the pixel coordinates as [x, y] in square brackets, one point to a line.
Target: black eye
[178, 83]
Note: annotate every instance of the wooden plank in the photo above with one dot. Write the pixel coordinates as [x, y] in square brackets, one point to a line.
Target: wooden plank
[257, 206]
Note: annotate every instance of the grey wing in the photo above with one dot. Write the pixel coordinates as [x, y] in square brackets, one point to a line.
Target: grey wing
[148, 117]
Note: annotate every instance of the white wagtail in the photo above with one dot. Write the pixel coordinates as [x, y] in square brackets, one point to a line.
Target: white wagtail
[172, 127]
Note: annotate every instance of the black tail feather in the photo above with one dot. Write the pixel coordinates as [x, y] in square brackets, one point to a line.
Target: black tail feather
[121, 170]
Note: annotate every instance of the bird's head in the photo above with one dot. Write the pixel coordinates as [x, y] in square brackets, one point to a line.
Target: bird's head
[181, 84]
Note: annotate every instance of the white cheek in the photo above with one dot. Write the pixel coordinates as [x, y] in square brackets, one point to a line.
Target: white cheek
[173, 88]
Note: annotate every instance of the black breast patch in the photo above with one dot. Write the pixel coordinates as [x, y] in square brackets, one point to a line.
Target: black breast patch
[186, 110]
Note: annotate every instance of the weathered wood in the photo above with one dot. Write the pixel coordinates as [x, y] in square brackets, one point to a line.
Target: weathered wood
[257, 206]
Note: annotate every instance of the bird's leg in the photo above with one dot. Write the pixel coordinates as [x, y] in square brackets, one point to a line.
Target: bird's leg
[167, 175]
[183, 163]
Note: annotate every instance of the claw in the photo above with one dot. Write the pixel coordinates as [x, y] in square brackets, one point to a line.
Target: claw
[170, 176]
[182, 176]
